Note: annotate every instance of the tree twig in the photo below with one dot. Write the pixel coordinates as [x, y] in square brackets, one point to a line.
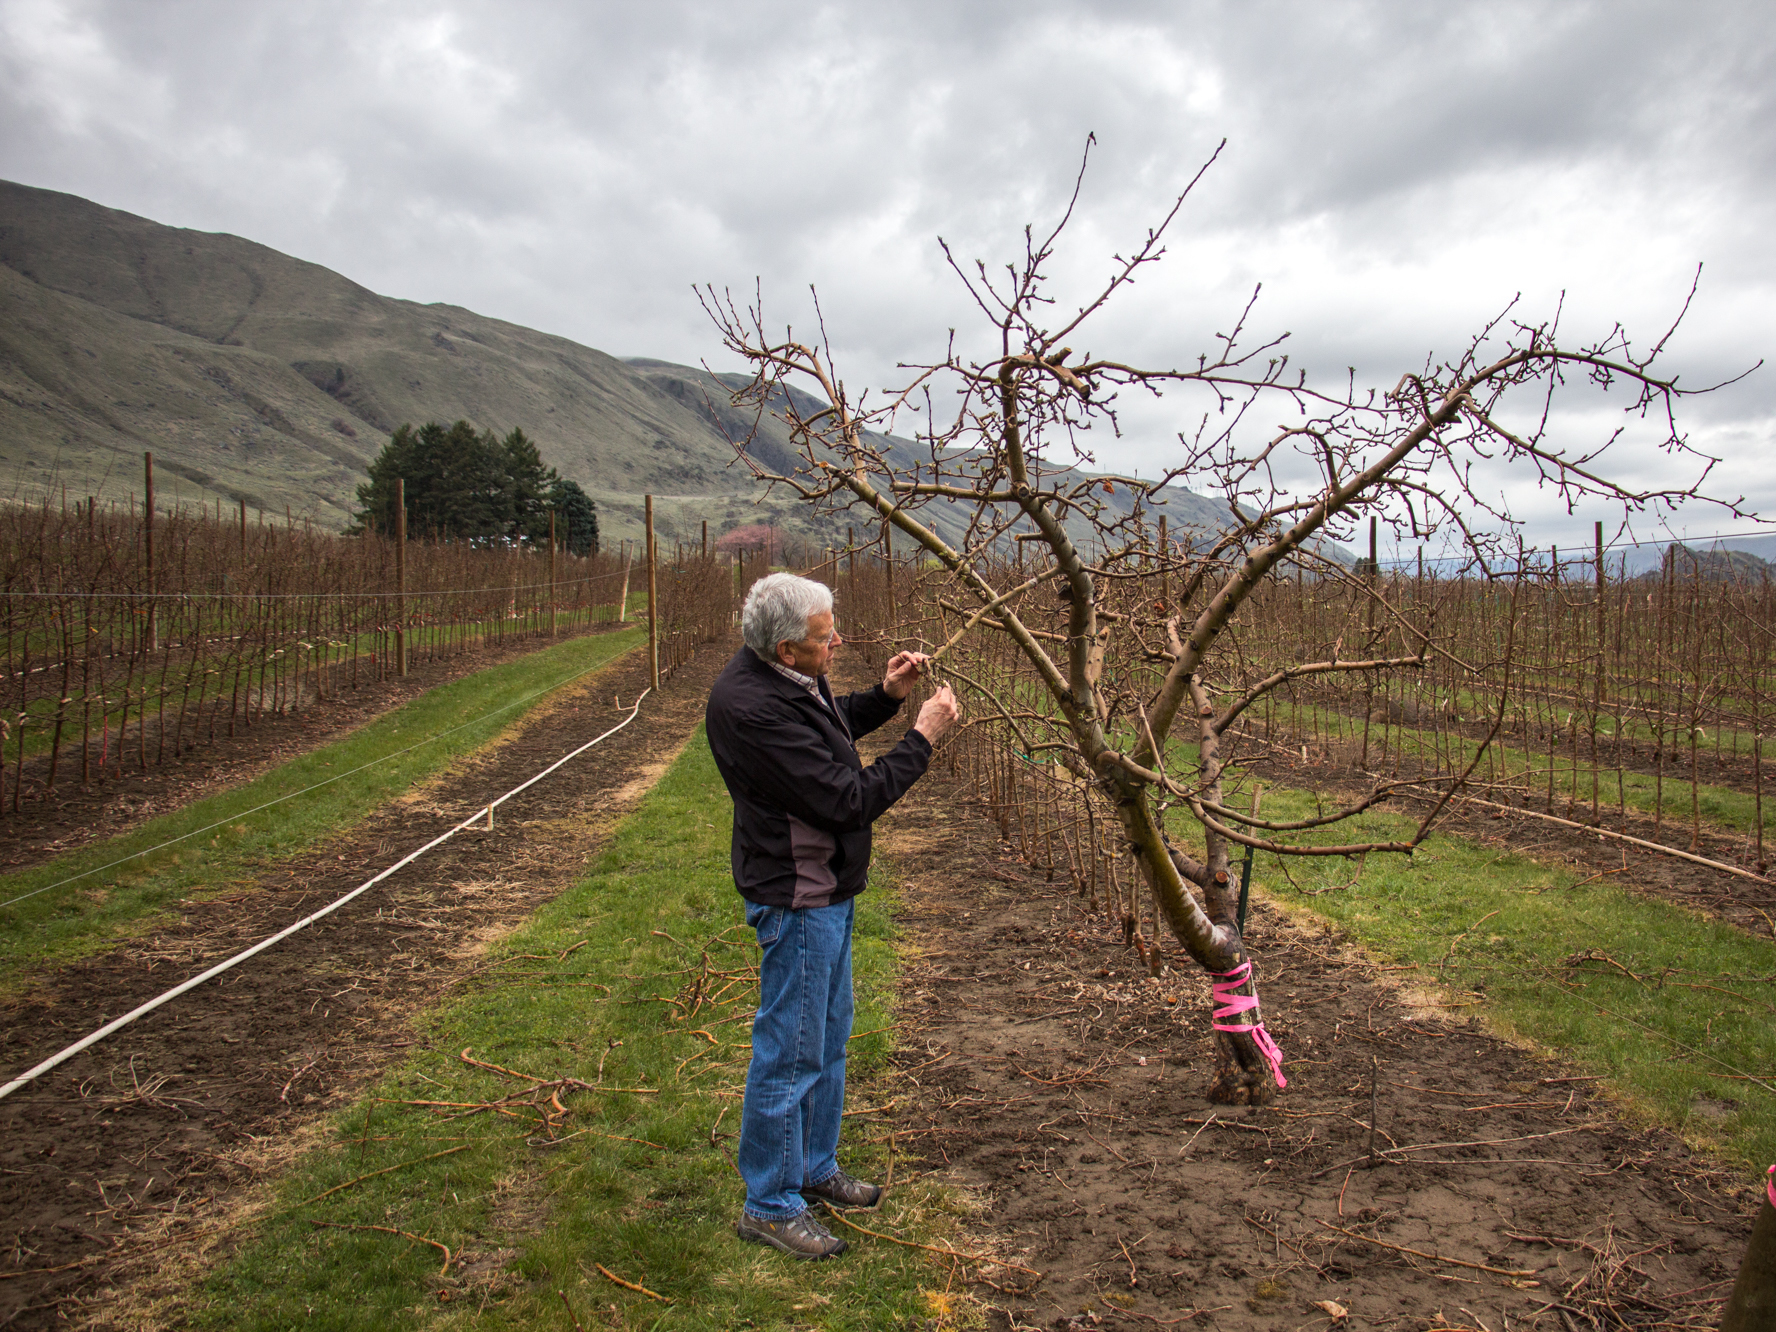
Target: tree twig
[390, 1230]
[1433, 1257]
[630, 1285]
[932, 1248]
[337, 1188]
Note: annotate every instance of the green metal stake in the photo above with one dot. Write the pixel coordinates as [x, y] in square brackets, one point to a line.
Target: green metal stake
[1246, 869]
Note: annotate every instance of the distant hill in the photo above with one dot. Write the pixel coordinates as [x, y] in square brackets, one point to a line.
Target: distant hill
[1715, 565]
[255, 376]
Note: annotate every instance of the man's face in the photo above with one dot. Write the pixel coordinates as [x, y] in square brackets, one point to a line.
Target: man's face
[814, 654]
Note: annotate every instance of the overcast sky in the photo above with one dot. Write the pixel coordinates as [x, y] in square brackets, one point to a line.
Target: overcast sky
[1395, 173]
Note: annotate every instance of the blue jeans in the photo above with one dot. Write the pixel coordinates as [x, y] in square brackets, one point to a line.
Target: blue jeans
[795, 1084]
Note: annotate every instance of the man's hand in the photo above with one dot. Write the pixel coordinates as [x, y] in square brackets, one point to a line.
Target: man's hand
[904, 669]
[938, 715]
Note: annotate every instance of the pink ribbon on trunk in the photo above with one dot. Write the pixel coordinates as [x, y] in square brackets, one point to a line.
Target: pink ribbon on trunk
[1770, 1185]
[1234, 1003]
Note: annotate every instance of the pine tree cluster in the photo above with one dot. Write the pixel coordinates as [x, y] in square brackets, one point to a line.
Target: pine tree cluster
[464, 485]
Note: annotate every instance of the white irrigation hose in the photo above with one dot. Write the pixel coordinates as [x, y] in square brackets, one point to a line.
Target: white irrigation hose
[486, 812]
[350, 772]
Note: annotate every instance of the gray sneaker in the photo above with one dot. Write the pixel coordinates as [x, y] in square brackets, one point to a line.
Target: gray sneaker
[800, 1236]
[843, 1193]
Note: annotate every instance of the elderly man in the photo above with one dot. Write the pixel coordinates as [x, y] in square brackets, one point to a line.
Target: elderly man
[803, 806]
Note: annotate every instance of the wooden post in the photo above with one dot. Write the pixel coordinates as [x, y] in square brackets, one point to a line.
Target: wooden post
[706, 538]
[551, 574]
[1374, 580]
[148, 540]
[1374, 569]
[1165, 559]
[1757, 751]
[653, 624]
[400, 576]
[243, 527]
[851, 556]
[1597, 685]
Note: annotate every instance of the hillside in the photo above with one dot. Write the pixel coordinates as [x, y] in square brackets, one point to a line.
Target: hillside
[255, 376]
[1717, 564]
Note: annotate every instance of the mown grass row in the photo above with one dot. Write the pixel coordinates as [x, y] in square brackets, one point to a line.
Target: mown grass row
[1677, 1012]
[90, 898]
[640, 981]
[1720, 808]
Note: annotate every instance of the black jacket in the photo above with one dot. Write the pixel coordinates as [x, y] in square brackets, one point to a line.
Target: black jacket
[803, 801]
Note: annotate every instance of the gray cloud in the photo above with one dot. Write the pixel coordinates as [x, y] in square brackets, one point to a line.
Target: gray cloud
[1395, 173]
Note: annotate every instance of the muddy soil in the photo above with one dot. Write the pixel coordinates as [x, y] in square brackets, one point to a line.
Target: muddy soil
[1417, 1173]
[142, 1140]
[52, 822]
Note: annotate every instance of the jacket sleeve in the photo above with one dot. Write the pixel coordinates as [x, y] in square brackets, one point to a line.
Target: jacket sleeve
[791, 767]
[867, 709]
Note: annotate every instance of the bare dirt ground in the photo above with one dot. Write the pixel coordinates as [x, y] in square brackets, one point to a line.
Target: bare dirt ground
[1049, 1075]
[141, 1140]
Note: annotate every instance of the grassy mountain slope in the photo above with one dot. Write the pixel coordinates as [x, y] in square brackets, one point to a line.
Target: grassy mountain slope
[84, 390]
[255, 376]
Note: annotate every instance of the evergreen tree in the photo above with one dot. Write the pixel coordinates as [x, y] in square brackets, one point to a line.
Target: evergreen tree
[576, 517]
[471, 498]
[468, 486]
[528, 487]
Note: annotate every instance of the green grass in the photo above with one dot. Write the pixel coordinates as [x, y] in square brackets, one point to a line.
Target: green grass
[1689, 1038]
[1720, 807]
[95, 910]
[590, 982]
[1637, 729]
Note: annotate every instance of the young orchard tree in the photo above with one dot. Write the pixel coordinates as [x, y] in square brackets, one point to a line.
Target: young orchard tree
[1125, 679]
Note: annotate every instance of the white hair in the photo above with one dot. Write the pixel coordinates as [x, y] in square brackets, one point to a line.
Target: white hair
[777, 610]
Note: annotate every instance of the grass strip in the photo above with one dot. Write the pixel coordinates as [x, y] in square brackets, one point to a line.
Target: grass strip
[435, 729]
[626, 1001]
[1720, 808]
[1676, 1011]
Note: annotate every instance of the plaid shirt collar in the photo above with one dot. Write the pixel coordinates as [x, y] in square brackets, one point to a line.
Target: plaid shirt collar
[807, 682]
[791, 673]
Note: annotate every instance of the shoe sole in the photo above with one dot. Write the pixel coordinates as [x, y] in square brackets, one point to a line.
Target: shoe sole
[759, 1237]
[832, 1206]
